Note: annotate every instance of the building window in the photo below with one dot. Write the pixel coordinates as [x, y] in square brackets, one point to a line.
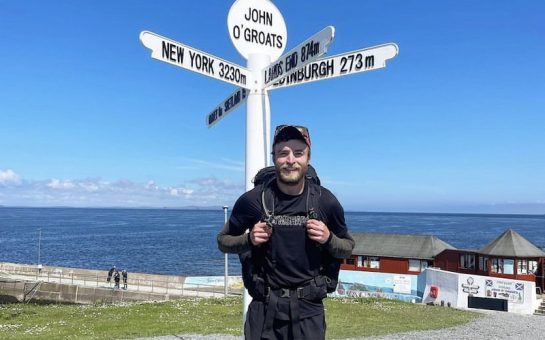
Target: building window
[483, 263]
[417, 265]
[503, 266]
[423, 265]
[526, 267]
[467, 261]
[497, 265]
[522, 267]
[508, 266]
[350, 261]
[532, 266]
[372, 262]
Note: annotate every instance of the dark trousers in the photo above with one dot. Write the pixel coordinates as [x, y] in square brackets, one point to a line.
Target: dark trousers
[311, 328]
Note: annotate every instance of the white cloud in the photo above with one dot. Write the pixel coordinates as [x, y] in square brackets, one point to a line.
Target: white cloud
[60, 184]
[8, 177]
[225, 164]
[95, 192]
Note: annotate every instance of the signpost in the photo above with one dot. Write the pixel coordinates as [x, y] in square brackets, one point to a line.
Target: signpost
[183, 56]
[226, 106]
[306, 52]
[367, 59]
[258, 32]
[257, 27]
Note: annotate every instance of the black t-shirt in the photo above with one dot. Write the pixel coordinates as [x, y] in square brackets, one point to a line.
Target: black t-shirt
[291, 257]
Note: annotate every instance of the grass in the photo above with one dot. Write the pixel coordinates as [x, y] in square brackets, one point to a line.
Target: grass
[345, 318]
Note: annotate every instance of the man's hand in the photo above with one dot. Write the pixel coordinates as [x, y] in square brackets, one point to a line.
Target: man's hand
[317, 231]
[260, 233]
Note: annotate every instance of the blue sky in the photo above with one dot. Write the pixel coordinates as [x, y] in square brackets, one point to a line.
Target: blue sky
[454, 123]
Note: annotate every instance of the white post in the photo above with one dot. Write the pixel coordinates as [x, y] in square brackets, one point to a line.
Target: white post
[39, 246]
[226, 264]
[267, 134]
[256, 151]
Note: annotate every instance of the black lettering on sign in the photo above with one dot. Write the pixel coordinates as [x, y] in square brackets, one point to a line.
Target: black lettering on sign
[316, 70]
[172, 52]
[202, 62]
[355, 62]
[291, 61]
[279, 42]
[370, 61]
[259, 16]
[273, 72]
[214, 115]
[231, 73]
[266, 39]
[309, 50]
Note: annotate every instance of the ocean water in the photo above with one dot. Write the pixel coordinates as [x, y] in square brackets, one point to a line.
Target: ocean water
[183, 242]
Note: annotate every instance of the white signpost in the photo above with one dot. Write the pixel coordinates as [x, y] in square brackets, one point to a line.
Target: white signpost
[258, 32]
[226, 106]
[306, 52]
[181, 55]
[367, 59]
[257, 27]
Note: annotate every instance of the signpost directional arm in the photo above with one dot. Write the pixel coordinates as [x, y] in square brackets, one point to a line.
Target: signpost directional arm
[301, 55]
[367, 59]
[178, 54]
[229, 104]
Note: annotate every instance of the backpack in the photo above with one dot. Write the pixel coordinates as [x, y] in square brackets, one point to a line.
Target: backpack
[252, 260]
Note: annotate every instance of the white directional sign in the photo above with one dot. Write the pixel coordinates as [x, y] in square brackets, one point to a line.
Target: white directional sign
[181, 55]
[366, 59]
[226, 106]
[257, 27]
[306, 52]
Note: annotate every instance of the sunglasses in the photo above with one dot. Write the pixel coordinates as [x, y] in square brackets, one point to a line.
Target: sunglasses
[302, 129]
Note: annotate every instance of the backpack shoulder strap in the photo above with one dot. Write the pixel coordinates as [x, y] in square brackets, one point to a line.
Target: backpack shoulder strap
[267, 200]
[313, 197]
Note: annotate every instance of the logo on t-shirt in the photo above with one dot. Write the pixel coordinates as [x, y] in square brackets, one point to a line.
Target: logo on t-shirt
[292, 221]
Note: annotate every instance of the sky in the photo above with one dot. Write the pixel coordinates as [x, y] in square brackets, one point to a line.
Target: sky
[455, 123]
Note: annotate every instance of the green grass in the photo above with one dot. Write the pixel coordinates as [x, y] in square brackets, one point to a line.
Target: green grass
[345, 318]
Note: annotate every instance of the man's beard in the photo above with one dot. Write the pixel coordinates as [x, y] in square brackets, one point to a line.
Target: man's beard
[294, 177]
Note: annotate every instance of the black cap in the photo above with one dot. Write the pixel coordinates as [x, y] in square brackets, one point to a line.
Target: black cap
[287, 132]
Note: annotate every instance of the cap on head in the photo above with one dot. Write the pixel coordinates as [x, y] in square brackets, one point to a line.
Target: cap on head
[284, 133]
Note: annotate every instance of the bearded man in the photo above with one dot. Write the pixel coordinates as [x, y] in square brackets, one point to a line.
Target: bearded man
[297, 236]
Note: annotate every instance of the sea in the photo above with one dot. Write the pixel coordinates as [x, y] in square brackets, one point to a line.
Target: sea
[183, 241]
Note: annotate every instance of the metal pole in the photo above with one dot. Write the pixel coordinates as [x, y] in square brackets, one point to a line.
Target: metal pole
[226, 257]
[39, 245]
[256, 151]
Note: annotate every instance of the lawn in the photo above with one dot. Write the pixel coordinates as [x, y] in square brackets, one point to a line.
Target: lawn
[345, 318]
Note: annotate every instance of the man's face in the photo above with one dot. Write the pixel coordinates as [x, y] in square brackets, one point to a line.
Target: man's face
[291, 160]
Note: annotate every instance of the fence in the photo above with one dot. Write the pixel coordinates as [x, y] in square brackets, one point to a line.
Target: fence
[134, 284]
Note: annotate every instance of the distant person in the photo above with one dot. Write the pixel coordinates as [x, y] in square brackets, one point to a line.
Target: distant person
[110, 274]
[297, 236]
[117, 278]
[125, 275]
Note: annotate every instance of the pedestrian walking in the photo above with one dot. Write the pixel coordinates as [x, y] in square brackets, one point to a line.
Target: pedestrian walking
[110, 274]
[125, 275]
[117, 278]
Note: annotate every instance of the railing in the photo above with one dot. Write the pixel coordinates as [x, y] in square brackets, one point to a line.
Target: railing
[147, 285]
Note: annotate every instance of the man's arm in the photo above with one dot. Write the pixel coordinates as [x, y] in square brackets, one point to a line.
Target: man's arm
[340, 247]
[233, 237]
[229, 243]
[340, 243]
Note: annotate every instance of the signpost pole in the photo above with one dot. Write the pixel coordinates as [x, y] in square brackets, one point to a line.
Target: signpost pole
[256, 157]
[267, 132]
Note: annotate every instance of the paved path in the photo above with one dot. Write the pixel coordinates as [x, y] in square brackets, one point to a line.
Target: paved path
[493, 325]
[183, 290]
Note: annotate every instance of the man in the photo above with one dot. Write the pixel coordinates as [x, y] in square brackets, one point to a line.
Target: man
[297, 234]
[125, 277]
